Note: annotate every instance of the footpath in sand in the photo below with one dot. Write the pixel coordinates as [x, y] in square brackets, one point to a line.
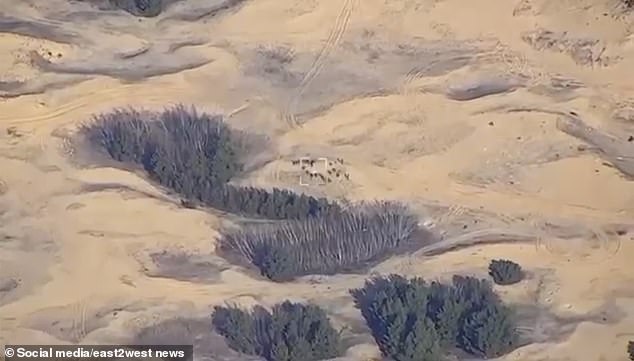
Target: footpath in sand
[509, 125]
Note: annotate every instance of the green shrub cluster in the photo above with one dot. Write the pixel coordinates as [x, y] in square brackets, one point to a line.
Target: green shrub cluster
[630, 349]
[147, 8]
[273, 204]
[505, 272]
[412, 320]
[195, 155]
[332, 243]
[290, 332]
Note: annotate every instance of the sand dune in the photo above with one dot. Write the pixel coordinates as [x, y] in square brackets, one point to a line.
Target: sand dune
[507, 125]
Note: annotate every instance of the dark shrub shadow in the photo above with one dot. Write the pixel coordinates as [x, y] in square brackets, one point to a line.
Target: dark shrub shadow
[187, 267]
[208, 345]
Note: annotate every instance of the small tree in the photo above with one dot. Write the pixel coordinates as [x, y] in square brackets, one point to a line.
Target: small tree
[421, 343]
[276, 264]
[446, 309]
[237, 327]
[489, 332]
[505, 272]
[395, 309]
[630, 349]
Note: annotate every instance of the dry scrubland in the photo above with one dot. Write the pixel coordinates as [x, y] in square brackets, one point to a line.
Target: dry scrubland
[477, 199]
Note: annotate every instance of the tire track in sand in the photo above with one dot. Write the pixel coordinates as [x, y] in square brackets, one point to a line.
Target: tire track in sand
[502, 201]
[334, 38]
[78, 329]
[418, 72]
[92, 98]
[512, 63]
[599, 247]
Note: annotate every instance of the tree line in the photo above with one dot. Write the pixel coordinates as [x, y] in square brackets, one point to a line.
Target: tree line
[195, 155]
[410, 319]
[333, 243]
[413, 320]
[289, 332]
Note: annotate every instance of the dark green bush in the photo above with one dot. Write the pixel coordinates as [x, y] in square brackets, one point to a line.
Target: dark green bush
[630, 349]
[195, 155]
[274, 204]
[505, 272]
[237, 327]
[395, 310]
[328, 244]
[412, 320]
[147, 8]
[181, 149]
[290, 332]
[276, 264]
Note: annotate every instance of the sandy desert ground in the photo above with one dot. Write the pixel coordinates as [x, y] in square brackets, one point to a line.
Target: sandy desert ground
[508, 125]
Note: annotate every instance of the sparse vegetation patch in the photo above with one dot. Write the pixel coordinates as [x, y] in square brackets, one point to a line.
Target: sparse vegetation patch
[329, 244]
[505, 272]
[290, 332]
[630, 349]
[195, 155]
[412, 320]
[147, 8]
